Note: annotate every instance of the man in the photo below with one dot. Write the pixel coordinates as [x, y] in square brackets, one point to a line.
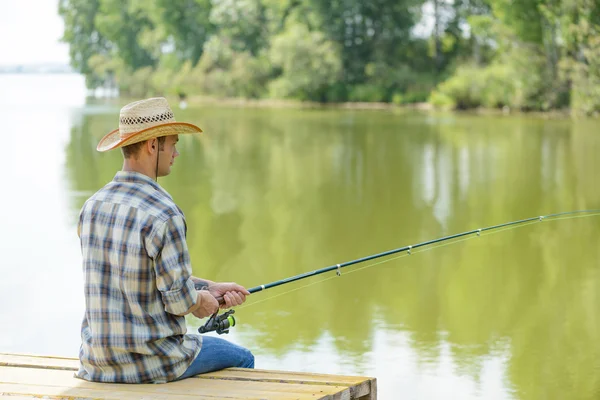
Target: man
[137, 272]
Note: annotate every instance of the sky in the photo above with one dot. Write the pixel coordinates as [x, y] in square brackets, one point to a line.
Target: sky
[30, 31]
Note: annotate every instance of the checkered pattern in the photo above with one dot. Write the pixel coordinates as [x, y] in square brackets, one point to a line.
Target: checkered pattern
[137, 278]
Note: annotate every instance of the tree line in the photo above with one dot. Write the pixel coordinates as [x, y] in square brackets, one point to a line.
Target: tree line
[530, 55]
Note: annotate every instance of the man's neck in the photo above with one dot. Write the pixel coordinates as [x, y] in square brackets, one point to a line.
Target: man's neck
[132, 165]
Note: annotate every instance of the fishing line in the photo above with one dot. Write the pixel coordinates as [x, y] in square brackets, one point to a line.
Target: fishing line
[480, 232]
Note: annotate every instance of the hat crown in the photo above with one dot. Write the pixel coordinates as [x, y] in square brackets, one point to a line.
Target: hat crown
[143, 120]
[144, 114]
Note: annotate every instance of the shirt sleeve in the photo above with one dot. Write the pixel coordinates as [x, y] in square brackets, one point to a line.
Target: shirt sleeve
[173, 268]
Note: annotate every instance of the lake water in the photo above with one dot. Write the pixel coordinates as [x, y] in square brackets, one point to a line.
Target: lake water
[270, 193]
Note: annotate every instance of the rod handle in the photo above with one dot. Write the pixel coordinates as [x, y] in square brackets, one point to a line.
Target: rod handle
[222, 301]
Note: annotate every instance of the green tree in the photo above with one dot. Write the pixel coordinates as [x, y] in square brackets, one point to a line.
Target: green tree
[309, 63]
[242, 22]
[367, 31]
[580, 65]
[83, 36]
[184, 26]
[526, 55]
[123, 23]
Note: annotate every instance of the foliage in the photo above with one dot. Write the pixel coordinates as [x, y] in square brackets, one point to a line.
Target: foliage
[368, 31]
[586, 80]
[309, 63]
[225, 72]
[84, 38]
[241, 21]
[511, 83]
[527, 55]
[185, 26]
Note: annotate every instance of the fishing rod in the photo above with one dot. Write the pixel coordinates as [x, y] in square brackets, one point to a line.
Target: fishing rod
[222, 323]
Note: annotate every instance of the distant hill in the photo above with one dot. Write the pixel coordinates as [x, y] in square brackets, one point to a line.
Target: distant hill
[41, 68]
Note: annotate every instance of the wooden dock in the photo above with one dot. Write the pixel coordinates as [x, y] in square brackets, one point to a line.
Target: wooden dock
[35, 377]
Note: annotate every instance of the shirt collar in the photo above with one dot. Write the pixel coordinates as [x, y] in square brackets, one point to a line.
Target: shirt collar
[136, 177]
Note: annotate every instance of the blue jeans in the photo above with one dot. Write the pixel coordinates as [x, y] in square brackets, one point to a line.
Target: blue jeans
[217, 354]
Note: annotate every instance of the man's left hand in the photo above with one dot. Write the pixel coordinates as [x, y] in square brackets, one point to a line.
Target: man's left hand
[232, 293]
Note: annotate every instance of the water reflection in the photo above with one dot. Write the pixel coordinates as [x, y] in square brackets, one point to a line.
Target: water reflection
[272, 193]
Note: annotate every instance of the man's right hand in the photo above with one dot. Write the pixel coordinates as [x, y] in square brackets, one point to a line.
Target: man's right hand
[206, 305]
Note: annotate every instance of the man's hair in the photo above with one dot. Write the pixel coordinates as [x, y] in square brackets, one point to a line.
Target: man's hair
[132, 150]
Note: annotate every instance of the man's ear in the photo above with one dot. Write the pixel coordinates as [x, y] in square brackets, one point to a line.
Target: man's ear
[151, 145]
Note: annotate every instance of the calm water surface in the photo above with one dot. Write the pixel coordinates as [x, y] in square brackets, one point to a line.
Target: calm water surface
[272, 193]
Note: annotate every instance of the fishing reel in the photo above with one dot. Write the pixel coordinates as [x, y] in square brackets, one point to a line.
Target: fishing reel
[219, 323]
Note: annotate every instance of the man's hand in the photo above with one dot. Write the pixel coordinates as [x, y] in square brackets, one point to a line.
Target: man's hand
[232, 293]
[206, 304]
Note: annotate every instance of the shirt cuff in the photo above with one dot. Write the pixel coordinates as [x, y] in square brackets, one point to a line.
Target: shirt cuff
[180, 300]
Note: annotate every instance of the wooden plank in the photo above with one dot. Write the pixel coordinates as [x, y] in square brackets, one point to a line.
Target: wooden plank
[207, 387]
[49, 362]
[359, 386]
[86, 393]
[372, 395]
[81, 393]
[305, 377]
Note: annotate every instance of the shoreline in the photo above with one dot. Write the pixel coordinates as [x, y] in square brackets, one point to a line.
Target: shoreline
[358, 106]
[421, 107]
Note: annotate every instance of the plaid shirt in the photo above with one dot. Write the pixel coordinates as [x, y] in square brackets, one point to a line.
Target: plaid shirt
[137, 278]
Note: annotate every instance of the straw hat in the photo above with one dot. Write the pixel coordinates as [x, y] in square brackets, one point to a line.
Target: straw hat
[143, 120]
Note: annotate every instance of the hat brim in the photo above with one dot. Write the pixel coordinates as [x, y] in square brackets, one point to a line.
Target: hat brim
[113, 140]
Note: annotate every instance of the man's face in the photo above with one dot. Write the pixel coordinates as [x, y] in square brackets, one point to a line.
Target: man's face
[167, 155]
